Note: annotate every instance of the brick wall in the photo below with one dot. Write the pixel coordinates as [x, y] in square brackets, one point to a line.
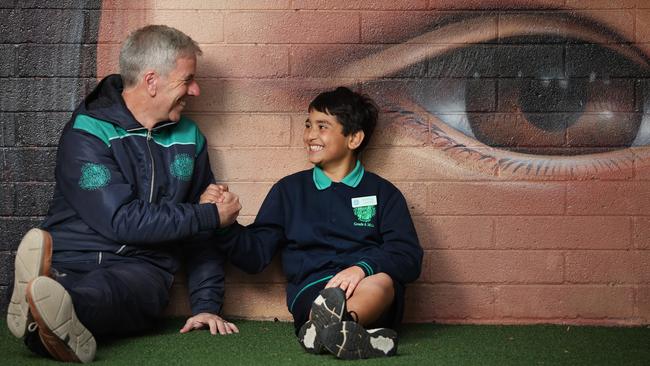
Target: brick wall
[510, 235]
[47, 53]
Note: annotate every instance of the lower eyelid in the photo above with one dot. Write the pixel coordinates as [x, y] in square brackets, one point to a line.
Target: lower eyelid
[507, 164]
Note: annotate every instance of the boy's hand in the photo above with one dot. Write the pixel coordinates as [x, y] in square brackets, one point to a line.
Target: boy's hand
[213, 193]
[228, 209]
[347, 280]
[213, 321]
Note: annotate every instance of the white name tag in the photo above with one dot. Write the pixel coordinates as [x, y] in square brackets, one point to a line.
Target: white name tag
[364, 201]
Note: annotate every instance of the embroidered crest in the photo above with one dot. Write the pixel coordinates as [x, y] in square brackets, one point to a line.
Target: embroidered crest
[94, 176]
[182, 167]
[365, 214]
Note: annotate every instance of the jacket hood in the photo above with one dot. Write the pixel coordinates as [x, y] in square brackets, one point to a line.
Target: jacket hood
[105, 102]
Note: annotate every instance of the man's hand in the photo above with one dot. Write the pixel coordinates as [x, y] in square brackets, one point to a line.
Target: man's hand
[228, 209]
[215, 322]
[347, 280]
[213, 193]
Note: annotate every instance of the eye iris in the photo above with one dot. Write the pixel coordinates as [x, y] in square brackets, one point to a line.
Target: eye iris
[540, 100]
[583, 113]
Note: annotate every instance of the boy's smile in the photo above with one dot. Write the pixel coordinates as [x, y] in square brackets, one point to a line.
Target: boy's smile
[326, 145]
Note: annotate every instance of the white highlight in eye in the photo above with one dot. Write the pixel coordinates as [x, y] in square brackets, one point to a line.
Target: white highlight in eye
[643, 136]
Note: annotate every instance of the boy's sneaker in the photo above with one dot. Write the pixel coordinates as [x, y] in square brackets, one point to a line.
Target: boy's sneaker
[33, 259]
[350, 341]
[327, 309]
[62, 334]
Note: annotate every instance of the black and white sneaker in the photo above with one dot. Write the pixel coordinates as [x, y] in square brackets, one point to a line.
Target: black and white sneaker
[350, 341]
[327, 309]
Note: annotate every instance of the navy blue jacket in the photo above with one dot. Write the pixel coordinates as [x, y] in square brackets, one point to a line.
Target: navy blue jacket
[320, 233]
[122, 191]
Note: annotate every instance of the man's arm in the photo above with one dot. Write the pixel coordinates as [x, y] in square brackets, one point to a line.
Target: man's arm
[92, 183]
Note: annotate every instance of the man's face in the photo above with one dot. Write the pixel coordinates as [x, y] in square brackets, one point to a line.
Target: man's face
[173, 88]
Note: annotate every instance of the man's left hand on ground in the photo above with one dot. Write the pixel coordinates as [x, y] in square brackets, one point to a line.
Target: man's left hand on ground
[213, 321]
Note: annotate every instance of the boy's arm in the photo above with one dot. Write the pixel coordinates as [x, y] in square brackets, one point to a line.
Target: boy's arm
[400, 255]
[252, 248]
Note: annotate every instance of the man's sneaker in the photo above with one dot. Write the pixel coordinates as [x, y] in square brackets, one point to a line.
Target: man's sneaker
[327, 309]
[350, 341]
[62, 334]
[33, 259]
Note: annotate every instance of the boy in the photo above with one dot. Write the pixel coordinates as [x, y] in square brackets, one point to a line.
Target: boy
[347, 240]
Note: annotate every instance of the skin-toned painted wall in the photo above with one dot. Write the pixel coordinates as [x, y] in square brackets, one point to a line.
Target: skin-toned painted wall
[516, 130]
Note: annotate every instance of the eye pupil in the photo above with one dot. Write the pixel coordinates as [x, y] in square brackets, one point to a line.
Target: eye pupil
[542, 100]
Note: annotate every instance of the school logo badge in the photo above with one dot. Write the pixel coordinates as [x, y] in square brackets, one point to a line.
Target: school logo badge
[364, 215]
[182, 167]
[94, 176]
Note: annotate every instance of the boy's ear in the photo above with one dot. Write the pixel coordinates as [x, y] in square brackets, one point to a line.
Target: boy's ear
[150, 80]
[355, 139]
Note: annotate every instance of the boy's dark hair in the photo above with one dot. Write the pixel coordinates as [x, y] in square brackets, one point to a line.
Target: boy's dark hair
[354, 111]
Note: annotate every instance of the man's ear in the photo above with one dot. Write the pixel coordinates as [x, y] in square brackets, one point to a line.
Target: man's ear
[355, 139]
[150, 79]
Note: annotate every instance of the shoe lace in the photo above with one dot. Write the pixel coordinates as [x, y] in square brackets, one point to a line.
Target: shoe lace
[352, 315]
[32, 327]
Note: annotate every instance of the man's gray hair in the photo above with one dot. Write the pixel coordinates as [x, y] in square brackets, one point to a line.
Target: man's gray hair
[154, 47]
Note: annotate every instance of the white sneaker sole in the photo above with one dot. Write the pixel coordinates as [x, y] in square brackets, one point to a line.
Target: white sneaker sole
[61, 332]
[33, 259]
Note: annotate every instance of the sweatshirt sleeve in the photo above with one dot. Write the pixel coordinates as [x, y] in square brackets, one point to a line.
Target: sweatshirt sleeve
[92, 183]
[400, 254]
[252, 248]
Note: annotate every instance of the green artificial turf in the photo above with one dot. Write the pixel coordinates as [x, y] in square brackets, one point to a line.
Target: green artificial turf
[269, 343]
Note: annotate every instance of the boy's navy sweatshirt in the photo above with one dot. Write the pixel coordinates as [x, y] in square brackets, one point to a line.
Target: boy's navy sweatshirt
[323, 227]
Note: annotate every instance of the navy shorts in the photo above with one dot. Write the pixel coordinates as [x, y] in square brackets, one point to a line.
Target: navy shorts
[391, 318]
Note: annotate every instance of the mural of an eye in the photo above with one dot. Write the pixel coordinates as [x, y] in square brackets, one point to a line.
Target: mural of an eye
[579, 99]
[569, 104]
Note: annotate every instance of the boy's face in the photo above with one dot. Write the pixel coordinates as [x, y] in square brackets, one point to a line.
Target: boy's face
[326, 145]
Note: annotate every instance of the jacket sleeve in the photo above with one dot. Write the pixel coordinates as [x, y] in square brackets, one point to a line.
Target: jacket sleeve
[252, 248]
[400, 255]
[204, 263]
[205, 274]
[92, 183]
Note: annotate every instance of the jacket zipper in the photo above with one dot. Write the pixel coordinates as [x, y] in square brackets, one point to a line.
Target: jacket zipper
[153, 167]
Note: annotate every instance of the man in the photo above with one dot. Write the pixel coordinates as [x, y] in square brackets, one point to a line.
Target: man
[133, 192]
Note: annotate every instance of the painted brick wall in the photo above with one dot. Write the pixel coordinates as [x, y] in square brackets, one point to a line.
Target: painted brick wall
[510, 235]
[47, 53]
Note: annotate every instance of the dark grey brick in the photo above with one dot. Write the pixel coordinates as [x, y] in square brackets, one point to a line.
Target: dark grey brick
[5, 296]
[542, 61]
[467, 61]
[28, 165]
[61, 4]
[39, 129]
[598, 61]
[7, 4]
[7, 129]
[10, 31]
[7, 199]
[13, 229]
[61, 60]
[50, 94]
[6, 262]
[8, 60]
[52, 26]
[33, 199]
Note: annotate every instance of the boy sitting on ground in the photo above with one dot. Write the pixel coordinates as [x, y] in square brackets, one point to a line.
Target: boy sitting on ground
[347, 239]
